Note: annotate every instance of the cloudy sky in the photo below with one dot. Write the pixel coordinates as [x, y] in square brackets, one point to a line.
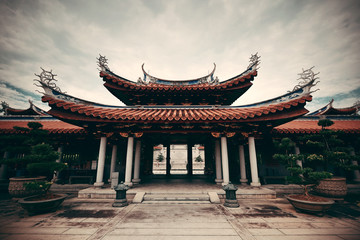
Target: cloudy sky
[180, 39]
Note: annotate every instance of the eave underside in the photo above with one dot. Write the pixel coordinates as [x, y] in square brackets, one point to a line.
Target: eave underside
[177, 119]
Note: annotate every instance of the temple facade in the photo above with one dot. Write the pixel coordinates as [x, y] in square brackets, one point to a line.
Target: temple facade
[235, 140]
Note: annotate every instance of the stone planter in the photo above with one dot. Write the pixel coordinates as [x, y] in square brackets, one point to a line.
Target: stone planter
[318, 207]
[17, 189]
[34, 206]
[332, 187]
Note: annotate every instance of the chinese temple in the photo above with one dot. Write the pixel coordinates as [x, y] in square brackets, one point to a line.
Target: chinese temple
[159, 111]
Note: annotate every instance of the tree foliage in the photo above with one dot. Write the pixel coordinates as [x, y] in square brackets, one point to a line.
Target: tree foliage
[31, 151]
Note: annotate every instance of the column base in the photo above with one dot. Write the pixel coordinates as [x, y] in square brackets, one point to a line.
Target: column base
[130, 184]
[244, 181]
[218, 181]
[255, 184]
[136, 181]
[224, 183]
[98, 184]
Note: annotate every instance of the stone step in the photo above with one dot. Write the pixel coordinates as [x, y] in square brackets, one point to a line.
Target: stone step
[175, 197]
[175, 202]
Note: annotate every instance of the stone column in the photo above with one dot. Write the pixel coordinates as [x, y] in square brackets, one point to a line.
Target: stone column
[136, 178]
[101, 163]
[243, 179]
[225, 161]
[253, 163]
[189, 159]
[129, 161]
[218, 179]
[168, 165]
[297, 152]
[356, 172]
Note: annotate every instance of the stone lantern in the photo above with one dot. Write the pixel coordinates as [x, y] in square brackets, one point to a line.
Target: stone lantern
[230, 200]
[120, 200]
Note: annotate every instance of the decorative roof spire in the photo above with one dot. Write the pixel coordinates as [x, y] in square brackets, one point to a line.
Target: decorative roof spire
[4, 107]
[47, 78]
[307, 77]
[254, 61]
[103, 63]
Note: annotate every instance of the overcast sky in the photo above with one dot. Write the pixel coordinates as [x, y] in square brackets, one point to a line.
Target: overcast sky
[180, 40]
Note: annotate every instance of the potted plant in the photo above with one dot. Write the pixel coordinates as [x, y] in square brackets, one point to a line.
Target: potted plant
[31, 158]
[43, 202]
[305, 177]
[334, 156]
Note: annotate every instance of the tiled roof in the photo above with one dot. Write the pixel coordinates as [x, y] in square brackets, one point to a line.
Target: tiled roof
[53, 126]
[126, 84]
[177, 114]
[328, 109]
[310, 126]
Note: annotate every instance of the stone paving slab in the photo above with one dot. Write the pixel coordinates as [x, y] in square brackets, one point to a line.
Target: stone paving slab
[109, 237]
[270, 219]
[328, 237]
[174, 232]
[175, 225]
[317, 231]
[46, 237]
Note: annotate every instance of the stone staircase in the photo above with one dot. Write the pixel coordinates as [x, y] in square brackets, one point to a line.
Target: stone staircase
[176, 198]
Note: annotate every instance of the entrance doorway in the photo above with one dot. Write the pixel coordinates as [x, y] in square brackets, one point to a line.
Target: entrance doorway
[178, 159]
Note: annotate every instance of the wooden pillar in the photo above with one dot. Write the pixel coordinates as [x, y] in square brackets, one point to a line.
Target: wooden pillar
[113, 159]
[218, 179]
[129, 160]
[189, 160]
[168, 165]
[136, 178]
[225, 161]
[101, 163]
[253, 163]
[3, 168]
[60, 151]
[297, 152]
[243, 178]
[356, 172]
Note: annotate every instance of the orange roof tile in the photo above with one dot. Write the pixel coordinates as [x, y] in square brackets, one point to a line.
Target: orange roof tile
[53, 126]
[310, 126]
[173, 114]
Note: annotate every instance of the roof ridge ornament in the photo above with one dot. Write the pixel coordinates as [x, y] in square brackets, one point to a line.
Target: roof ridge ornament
[47, 78]
[4, 107]
[254, 61]
[307, 77]
[102, 63]
[201, 80]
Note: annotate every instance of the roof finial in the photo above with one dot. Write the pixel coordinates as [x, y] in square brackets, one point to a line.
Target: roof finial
[47, 78]
[4, 107]
[307, 77]
[102, 63]
[254, 61]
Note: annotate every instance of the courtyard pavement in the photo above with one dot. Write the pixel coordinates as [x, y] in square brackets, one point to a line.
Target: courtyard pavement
[254, 219]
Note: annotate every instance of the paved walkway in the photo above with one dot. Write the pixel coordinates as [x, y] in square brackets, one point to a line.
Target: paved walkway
[255, 219]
